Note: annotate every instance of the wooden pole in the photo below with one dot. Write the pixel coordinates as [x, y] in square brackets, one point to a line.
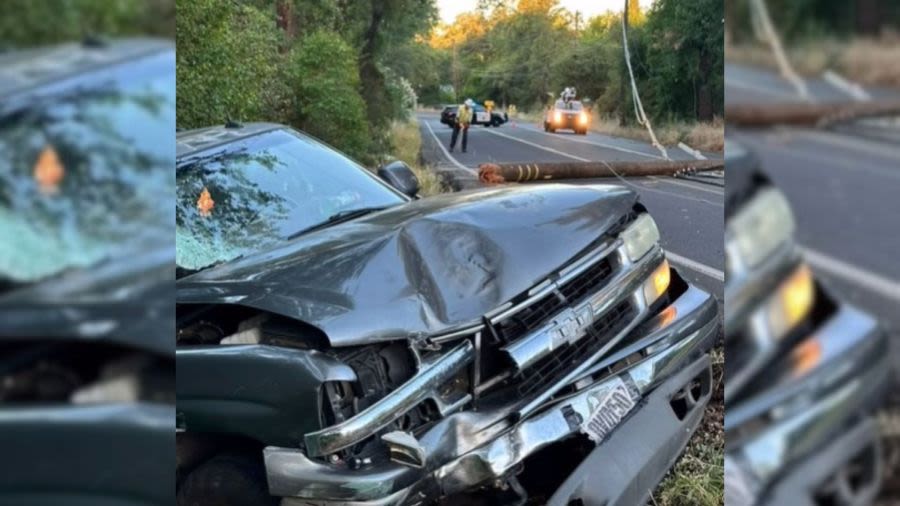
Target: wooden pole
[806, 114]
[496, 173]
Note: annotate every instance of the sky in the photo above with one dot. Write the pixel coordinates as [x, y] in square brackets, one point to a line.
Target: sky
[450, 8]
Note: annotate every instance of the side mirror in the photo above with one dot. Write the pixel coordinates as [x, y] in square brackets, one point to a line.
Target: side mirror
[401, 177]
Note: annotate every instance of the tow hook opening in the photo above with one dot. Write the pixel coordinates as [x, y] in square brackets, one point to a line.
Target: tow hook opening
[688, 397]
[852, 482]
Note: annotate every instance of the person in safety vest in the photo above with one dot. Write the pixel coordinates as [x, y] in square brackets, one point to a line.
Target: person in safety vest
[463, 120]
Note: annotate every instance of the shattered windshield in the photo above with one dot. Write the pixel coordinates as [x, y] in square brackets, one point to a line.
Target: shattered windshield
[263, 190]
[84, 172]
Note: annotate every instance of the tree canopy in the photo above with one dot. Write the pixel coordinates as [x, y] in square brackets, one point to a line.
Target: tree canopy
[526, 52]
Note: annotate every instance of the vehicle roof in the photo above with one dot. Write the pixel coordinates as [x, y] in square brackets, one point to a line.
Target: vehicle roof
[189, 142]
[561, 103]
[23, 70]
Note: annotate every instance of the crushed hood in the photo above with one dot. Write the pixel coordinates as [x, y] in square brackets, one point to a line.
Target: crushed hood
[124, 300]
[422, 268]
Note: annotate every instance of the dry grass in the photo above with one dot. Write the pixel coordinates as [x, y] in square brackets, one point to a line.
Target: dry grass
[407, 141]
[869, 61]
[703, 136]
[875, 62]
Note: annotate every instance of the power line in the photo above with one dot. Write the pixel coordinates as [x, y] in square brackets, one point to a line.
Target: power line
[638, 106]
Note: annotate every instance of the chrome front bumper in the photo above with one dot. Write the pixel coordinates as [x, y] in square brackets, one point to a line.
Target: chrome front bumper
[468, 448]
[810, 411]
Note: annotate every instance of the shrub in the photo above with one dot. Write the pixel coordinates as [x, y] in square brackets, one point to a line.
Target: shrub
[323, 79]
[227, 56]
[28, 23]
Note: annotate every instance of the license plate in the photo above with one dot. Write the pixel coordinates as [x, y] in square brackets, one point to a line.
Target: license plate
[609, 408]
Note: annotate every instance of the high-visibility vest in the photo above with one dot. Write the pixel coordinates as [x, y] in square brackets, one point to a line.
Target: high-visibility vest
[465, 115]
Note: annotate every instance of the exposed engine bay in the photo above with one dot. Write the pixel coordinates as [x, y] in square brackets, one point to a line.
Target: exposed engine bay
[78, 372]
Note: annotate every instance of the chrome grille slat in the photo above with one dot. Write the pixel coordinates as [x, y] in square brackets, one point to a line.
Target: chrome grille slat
[548, 369]
[590, 280]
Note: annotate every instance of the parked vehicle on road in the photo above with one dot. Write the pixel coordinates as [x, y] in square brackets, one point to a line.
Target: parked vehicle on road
[87, 376]
[480, 116]
[805, 370]
[342, 341]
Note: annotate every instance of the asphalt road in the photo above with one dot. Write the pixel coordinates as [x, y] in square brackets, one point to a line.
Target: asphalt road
[689, 214]
[843, 185]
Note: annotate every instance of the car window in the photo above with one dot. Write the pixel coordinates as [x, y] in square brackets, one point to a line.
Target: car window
[260, 190]
[84, 171]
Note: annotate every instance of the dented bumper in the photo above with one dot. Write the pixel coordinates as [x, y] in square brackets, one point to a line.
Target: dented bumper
[468, 448]
[818, 417]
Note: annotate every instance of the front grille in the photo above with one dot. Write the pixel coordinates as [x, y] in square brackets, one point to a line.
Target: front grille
[587, 282]
[551, 367]
[573, 292]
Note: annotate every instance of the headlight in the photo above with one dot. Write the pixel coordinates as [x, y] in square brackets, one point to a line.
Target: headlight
[791, 302]
[640, 236]
[557, 117]
[760, 228]
[583, 118]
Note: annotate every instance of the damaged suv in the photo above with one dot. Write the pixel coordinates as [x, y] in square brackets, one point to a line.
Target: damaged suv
[805, 370]
[342, 342]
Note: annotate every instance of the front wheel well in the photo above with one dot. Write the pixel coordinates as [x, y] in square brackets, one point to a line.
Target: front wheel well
[192, 449]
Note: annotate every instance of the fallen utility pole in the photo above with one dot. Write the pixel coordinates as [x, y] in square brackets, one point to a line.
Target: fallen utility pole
[806, 114]
[497, 173]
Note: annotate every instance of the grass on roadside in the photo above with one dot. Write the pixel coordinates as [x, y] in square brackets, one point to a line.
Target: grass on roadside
[705, 136]
[406, 139]
[698, 478]
[868, 61]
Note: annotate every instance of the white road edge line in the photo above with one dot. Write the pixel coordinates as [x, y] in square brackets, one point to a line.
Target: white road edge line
[758, 88]
[447, 153]
[854, 143]
[691, 151]
[874, 282]
[695, 266]
[855, 91]
[592, 143]
[545, 148]
[688, 184]
[835, 162]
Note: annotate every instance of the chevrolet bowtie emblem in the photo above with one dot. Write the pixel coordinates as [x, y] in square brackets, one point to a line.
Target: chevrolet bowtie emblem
[571, 325]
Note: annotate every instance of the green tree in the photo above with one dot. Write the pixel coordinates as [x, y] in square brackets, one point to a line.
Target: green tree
[29, 23]
[683, 57]
[227, 62]
[324, 81]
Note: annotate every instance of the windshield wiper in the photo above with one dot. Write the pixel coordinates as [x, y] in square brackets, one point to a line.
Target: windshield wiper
[340, 216]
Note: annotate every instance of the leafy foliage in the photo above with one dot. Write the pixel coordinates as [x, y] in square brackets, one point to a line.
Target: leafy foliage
[526, 52]
[227, 54]
[324, 80]
[804, 19]
[340, 70]
[684, 57]
[29, 23]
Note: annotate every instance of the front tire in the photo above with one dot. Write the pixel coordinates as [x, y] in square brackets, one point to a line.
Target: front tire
[226, 480]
